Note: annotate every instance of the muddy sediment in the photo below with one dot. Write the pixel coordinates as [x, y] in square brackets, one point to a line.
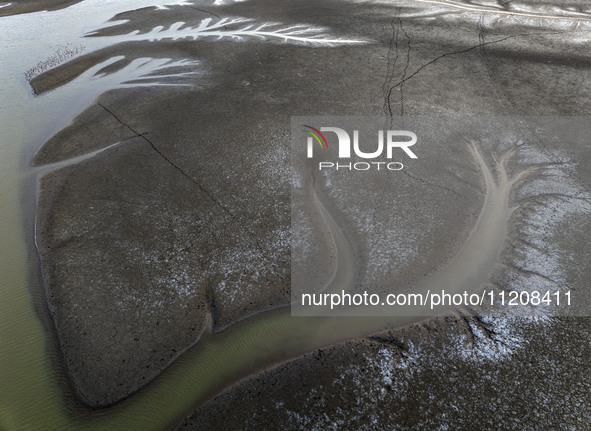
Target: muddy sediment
[425, 377]
[189, 217]
[28, 6]
[221, 222]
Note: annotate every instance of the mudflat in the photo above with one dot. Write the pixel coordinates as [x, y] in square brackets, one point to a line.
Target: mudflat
[184, 225]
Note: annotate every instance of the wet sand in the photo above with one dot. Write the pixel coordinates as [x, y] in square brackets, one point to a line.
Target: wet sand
[189, 214]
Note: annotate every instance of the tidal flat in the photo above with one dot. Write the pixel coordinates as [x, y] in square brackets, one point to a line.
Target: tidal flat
[157, 229]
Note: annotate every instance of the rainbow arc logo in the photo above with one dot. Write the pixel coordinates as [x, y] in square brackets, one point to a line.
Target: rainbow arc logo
[317, 135]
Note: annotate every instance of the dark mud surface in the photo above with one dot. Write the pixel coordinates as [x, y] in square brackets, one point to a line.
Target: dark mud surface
[185, 223]
[445, 374]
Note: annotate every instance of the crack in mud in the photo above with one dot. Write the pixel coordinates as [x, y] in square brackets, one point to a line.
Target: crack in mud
[480, 45]
[204, 11]
[405, 66]
[391, 66]
[471, 267]
[447, 54]
[430, 184]
[206, 192]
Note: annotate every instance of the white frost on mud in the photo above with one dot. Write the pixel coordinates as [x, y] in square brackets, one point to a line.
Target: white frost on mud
[176, 282]
[369, 383]
[245, 271]
[241, 271]
[255, 265]
[388, 247]
[549, 201]
[496, 340]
